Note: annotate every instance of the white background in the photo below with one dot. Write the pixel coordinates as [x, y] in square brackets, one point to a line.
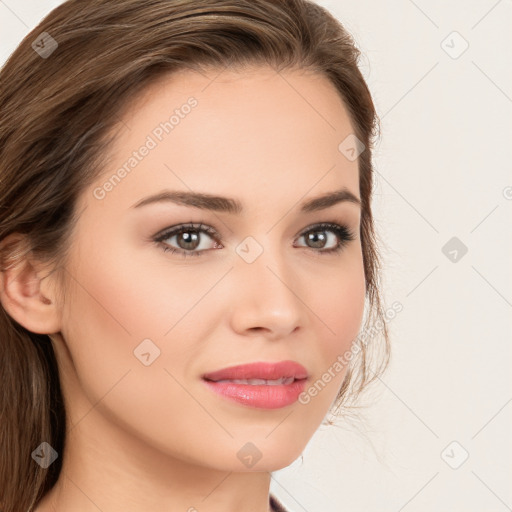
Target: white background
[442, 169]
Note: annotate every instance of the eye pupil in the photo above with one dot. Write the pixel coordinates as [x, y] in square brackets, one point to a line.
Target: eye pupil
[318, 238]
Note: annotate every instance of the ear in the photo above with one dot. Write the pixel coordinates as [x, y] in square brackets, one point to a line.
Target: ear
[27, 290]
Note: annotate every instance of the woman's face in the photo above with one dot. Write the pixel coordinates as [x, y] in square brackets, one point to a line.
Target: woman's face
[142, 325]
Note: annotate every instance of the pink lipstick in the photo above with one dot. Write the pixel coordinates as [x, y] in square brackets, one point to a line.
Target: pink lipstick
[262, 385]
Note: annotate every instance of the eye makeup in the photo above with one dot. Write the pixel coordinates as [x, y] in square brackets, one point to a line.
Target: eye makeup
[193, 230]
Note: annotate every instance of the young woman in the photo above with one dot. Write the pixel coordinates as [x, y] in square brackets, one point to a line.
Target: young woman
[187, 250]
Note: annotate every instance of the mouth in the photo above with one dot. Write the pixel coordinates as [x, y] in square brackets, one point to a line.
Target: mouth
[259, 382]
[259, 385]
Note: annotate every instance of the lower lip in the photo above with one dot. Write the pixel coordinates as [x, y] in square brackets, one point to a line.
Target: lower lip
[260, 396]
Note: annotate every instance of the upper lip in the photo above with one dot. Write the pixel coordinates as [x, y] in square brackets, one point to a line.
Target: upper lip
[260, 370]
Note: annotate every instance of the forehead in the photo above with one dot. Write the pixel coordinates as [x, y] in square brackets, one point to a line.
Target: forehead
[256, 134]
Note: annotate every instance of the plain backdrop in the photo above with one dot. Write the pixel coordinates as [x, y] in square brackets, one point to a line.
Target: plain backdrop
[436, 430]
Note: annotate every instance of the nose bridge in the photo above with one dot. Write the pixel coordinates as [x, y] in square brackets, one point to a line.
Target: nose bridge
[266, 286]
[263, 262]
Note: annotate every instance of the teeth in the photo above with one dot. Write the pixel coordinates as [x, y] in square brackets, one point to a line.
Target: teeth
[261, 382]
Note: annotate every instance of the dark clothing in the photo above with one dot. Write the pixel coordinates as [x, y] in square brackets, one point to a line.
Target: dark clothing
[275, 505]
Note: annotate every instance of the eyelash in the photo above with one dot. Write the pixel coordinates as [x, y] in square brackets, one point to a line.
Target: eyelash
[344, 234]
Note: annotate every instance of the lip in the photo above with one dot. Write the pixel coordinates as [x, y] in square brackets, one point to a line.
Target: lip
[262, 396]
[260, 370]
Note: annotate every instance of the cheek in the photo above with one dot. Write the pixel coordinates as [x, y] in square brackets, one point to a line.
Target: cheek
[119, 299]
[343, 313]
[109, 316]
[341, 306]
[340, 310]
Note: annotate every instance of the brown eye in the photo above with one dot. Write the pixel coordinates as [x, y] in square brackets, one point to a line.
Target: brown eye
[190, 239]
[318, 237]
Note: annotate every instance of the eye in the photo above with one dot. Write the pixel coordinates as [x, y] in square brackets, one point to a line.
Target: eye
[189, 238]
[318, 238]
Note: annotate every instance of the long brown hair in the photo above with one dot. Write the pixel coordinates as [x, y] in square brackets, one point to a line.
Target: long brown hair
[62, 92]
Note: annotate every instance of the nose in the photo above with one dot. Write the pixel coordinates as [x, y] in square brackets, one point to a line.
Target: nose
[267, 297]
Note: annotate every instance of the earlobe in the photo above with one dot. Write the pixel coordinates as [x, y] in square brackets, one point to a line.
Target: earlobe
[24, 300]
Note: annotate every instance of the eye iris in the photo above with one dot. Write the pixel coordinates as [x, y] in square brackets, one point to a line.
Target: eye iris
[189, 237]
[318, 238]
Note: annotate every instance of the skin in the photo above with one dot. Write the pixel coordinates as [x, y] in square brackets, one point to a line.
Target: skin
[154, 437]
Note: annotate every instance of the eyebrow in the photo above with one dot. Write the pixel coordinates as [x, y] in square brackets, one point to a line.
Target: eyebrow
[215, 203]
